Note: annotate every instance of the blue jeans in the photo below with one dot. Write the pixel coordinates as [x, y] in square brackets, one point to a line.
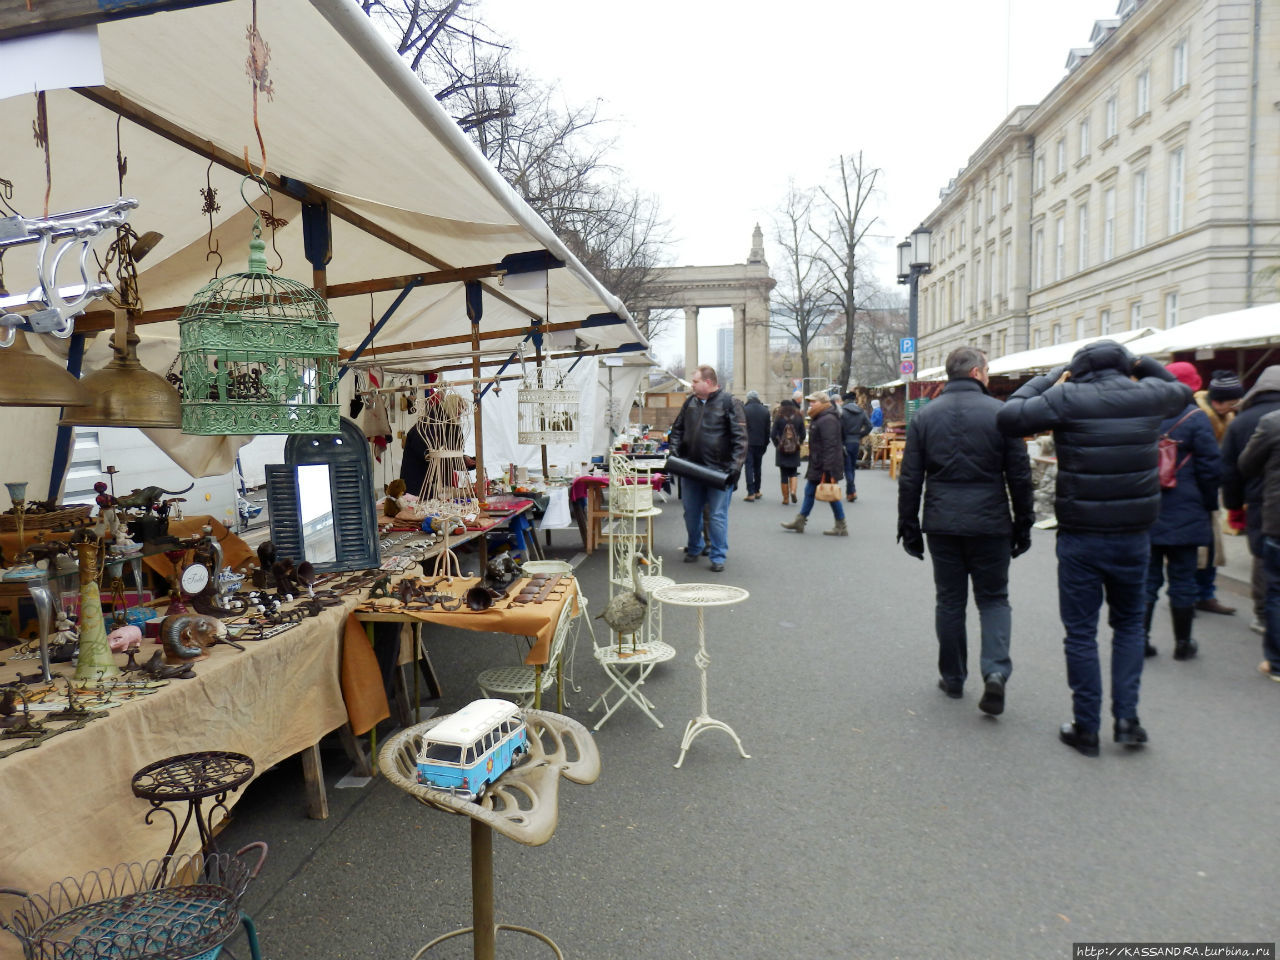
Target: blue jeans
[985, 560]
[806, 505]
[1091, 565]
[851, 450]
[1183, 591]
[1271, 567]
[695, 495]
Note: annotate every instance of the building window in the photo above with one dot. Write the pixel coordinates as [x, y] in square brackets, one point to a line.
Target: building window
[977, 217]
[1060, 153]
[1104, 323]
[1180, 64]
[1082, 233]
[1135, 315]
[1059, 248]
[1040, 172]
[1139, 209]
[1111, 118]
[1079, 331]
[1008, 189]
[962, 232]
[1038, 338]
[1001, 339]
[980, 290]
[1176, 177]
[1057, 331]
[992, 209]
[1084, 138]
[1108, 223]
[1170, 310]
[1038, 262]
[951, 240]
[1142, 94]
[1008, 271]
[960, 295]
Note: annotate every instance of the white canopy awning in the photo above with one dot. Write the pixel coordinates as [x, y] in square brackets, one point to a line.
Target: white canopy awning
[347, 121]
[1258, 326]
[1046, 358]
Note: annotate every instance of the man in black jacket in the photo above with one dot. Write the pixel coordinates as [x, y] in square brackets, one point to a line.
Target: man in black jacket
[1260, 460]
[1105, 409]
[964, 464]
[1239, 494]
[758, 424]
[854, 425]
[710, 429]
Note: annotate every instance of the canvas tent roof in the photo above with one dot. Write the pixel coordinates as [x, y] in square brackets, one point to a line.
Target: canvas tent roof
[1056, 354]
[1258, 326]
[347, 119]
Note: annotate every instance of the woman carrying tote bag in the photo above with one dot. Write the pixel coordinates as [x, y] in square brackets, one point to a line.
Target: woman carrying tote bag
[826, 465]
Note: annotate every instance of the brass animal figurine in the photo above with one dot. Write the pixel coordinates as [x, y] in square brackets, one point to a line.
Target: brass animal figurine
[186, 637]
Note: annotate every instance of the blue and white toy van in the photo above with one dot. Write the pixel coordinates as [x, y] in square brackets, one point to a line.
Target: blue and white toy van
[470, 749]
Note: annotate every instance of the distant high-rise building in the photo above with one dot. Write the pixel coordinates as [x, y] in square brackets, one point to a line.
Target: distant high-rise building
[724, 356]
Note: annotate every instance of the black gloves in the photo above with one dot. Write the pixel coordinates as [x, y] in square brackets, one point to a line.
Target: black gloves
[734, 476]
[1021, 539]
[911, 538]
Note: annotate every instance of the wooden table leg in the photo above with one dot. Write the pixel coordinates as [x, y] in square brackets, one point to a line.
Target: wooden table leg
[313, 776]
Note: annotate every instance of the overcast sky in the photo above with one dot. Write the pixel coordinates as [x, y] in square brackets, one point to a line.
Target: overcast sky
[718, 105]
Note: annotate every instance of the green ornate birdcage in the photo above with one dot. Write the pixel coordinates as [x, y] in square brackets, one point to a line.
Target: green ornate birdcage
[259, 354]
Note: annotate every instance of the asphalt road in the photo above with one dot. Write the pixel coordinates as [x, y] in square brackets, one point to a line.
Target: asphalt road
[876, 818]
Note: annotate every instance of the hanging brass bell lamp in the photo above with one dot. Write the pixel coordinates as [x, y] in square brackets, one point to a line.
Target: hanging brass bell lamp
[125, 394]
[30, 380]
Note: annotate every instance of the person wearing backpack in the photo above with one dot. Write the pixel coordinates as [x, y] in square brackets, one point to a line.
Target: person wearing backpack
[787, 436]
[1189, 471]
[1105, 409]
[854, 425]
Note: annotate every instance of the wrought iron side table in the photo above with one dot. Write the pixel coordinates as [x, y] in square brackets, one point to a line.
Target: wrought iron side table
[522, 805]
[700, 596]
[191, 777]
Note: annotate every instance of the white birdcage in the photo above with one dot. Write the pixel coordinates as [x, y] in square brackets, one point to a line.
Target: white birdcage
[548, 415]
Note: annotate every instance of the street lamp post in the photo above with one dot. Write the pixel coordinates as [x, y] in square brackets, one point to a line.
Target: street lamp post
[913, 263]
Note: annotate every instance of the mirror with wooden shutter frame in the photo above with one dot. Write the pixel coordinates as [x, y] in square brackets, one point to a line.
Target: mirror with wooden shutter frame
[321, 501]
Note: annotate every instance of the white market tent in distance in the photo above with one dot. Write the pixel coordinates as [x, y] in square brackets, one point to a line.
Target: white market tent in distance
[415, 209]
[1046, 358]
[1255, 327]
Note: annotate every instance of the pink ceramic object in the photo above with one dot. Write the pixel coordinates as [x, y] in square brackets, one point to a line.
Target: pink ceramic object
[123, 639]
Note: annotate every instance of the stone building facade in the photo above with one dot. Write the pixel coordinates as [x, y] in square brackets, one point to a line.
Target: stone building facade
[1144, 190]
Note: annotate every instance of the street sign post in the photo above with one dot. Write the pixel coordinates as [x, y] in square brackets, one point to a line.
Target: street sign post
[907, 367]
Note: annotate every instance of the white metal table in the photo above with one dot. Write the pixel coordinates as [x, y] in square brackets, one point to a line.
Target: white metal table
[700, 596]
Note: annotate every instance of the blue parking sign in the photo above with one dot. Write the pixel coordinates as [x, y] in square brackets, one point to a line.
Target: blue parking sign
[907, 345]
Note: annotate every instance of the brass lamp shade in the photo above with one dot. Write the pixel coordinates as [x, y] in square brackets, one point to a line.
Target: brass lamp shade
[125, 394]
[30, 380]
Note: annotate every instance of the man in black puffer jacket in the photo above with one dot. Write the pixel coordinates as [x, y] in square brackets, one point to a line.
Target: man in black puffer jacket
[1260, 459]
[963, 463]
[1105, 409]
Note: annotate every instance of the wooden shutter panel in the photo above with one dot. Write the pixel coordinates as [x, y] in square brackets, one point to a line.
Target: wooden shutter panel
[282, 505]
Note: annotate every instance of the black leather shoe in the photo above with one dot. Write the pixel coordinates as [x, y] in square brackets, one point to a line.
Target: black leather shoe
[1081, 740]
[950, 689]
[717, 568]
[1185, 650]
[690, 557]
[992, 701]
[1149, 651]
[1130, 732]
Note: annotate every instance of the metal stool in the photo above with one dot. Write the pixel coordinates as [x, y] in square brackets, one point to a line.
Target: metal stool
[521, 804]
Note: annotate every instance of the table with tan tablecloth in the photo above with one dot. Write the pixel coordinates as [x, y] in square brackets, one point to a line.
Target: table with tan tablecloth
[66, 806]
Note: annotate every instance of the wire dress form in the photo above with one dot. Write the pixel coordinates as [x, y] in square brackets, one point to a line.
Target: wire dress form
[443, 428]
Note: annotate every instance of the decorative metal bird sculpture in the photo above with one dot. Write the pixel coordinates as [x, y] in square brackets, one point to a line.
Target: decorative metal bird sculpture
[626, 612]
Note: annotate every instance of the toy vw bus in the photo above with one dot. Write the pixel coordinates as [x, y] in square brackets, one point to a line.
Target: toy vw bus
[470, 749]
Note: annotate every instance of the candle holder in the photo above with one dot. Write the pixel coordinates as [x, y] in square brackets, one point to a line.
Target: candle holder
[18, 494]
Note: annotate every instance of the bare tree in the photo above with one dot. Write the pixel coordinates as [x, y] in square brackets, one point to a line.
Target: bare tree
[848, 220]
[553, 155]
[802, 304]
[884, 322]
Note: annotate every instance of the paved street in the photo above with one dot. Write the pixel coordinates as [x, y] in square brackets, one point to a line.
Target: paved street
[876, 818]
